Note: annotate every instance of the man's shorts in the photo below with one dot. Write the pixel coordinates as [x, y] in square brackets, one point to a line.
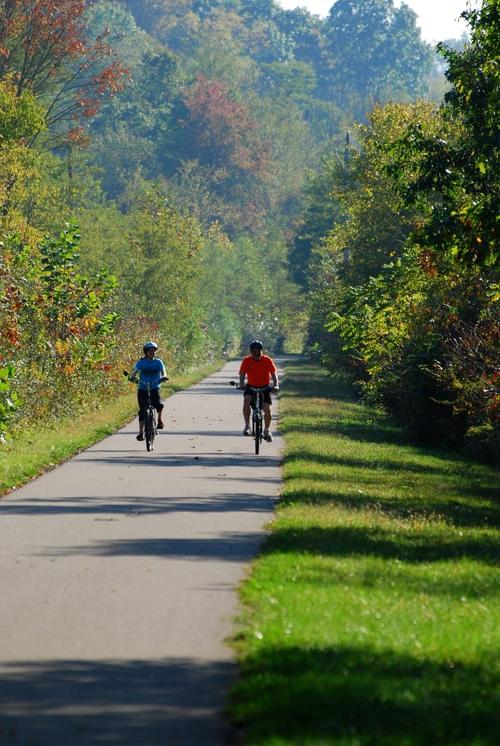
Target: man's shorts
[266, 395]
[142, 398]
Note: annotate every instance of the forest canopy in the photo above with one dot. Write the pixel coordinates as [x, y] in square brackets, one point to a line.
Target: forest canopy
[205, 171]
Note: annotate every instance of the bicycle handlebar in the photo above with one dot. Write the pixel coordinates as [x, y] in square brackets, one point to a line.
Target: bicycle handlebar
[135, 380]
[257, 389]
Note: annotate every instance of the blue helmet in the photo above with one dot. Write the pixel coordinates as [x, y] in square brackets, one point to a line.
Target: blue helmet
[149, 346]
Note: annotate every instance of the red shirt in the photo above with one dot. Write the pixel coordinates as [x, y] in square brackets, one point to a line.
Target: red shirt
[258, 372]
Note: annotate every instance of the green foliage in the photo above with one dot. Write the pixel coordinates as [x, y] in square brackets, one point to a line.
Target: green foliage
[379, 314]
[124, 36]
[260, 89]
[134, 133]
[45, 49]
[8, 399]
[458, 178]
[262, 301]
[164, 273]
[220, 52]
[222, 135]
[294, 79]
[400, 289]
[21, 116]
[321, 212]
[375, 50]
[187, 184]
[58, 326]
[469, 374]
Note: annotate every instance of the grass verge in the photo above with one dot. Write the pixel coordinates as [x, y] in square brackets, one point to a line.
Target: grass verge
[371, 617]
[36, 450]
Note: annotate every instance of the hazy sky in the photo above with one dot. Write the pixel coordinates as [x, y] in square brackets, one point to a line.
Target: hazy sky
[436, 18]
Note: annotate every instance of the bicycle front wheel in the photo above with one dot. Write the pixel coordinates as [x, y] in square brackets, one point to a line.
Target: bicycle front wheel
[258, 434]
[149, 429]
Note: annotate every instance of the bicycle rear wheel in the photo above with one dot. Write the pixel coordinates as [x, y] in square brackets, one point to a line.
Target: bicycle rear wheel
[149, 429]
[258, 434]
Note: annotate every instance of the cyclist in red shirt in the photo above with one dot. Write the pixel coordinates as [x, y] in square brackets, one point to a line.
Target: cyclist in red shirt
[259, 370]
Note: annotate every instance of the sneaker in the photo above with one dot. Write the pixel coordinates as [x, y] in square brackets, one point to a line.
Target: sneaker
[246, 430]
[160, 425]
[139, 437]
[268, 436]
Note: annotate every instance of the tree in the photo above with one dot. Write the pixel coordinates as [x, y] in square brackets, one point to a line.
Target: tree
[305, 32]
[260, 9]
[458, 179]
[56, 323]
[136, 133]
[221, 131]
[322, 211]
[222, 136]
[375, 54]
[173, 22]
[44, 48]
[222, 52]
[162, 271]
[291, 79]
[21, 119]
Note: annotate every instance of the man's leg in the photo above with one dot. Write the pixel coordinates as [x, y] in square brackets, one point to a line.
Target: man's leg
[267, 422]
[158, 405]
[247, 400]
[141, 402]
[160, 420]
[267, 416]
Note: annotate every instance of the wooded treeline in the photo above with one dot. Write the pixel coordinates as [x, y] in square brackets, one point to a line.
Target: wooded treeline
[178, 169]
[404, 280]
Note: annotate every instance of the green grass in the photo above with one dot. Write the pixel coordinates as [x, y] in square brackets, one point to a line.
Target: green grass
[372, 614]
[32, 452]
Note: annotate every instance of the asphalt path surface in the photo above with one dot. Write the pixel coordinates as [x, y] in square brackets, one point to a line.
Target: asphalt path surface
[118, 581]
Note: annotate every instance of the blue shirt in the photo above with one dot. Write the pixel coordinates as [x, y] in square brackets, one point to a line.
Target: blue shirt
[149, 371]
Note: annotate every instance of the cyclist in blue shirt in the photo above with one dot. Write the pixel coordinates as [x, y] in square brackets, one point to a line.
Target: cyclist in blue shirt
[149, 370]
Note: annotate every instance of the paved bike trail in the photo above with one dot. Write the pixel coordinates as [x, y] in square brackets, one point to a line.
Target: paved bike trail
[118, 573]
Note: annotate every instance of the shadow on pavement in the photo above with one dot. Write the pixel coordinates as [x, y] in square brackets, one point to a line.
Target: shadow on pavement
[127, 703]
[237, 547]
[137, 505]
[186, 459]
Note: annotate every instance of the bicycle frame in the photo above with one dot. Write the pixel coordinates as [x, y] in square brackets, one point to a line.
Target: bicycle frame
[258, 414]
[150, 422]
[150, 416]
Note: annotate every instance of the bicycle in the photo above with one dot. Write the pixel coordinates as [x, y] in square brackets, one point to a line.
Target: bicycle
[150, 417]
[150, 422]
[257, 412]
